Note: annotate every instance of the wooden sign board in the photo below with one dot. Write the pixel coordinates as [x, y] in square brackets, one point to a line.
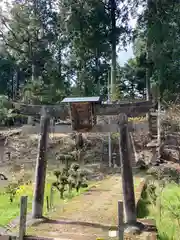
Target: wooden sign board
[82, 116]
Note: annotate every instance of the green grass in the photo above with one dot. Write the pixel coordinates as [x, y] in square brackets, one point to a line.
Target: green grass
[9, 211]
[166, 211]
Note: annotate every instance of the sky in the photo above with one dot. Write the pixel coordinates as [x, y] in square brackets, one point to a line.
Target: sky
[123, 56]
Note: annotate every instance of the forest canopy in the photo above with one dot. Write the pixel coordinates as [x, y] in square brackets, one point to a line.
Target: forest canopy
[52, 49]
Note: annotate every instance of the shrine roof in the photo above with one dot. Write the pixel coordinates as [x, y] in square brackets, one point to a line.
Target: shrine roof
[81, 99]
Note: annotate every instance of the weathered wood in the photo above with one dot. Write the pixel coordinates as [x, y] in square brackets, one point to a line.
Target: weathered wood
[155, 114]
[41, 164]
[23, 214]
[173, 136]
[127, 176]
[120, 220]
[3, 141]
[134, 156]
[47, 203]
[51, 197]
[60, 111]
[172, 147]
[82, 115]
[130, 109]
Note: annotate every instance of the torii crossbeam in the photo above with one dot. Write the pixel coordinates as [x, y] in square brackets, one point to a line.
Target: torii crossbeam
[63, 112]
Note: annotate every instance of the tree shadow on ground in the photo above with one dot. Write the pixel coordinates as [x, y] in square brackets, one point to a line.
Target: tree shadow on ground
[80, 223]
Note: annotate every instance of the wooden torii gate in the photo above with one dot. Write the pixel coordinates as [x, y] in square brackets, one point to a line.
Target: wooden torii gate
[83, 114]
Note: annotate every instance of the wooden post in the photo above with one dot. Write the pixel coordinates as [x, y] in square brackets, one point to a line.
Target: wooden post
[51, 198]
[47, 203]
[120, 220]
[127, 176]
[159, 129]
[114, 159]
[2, 147]
[23, 213]
[41, 165]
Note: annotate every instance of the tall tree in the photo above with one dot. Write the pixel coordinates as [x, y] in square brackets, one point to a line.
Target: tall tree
[158, 35]
[113, 7]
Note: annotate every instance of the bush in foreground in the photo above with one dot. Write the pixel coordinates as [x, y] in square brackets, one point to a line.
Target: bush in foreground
[69, 178]
[161, 201]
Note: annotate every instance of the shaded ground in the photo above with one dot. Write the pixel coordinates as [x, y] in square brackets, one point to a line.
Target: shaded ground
[88, 216]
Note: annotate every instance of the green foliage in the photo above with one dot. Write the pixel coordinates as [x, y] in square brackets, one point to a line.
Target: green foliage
[156, 45]
[7, 66]
[51, 49]
[72, 177]
[115, 136]
[161, 201]
[11, 190]
[10, 210]
[75, 167]
[4, 102]
[133, 78]
[166, 211]
[165, 173]
[59, 47]
[57, 174]
[8, 115]
[5, 106]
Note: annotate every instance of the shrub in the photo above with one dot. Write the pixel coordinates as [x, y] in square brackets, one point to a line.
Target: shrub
[166, 173]
[161, 201]
[70, 178]
[11, 190]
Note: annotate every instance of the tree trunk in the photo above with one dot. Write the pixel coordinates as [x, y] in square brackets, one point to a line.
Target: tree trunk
[80, 78]
[12, 85]
[148, 70]
[59, 60]
[148, 67]
[113, 44]
[159, 128]
[18, 81]
[97, 69]
[30, 118]
[40, 174]
[132, 89]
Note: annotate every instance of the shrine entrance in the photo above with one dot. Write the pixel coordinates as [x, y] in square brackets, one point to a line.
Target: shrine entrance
[83, 113]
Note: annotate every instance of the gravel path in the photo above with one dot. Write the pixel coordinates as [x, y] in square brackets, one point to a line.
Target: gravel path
[88, 216]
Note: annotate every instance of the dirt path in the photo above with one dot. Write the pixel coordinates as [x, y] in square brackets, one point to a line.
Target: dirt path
[88, 216]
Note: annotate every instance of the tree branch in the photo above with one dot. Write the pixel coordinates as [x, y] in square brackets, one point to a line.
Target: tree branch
[8, 44]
